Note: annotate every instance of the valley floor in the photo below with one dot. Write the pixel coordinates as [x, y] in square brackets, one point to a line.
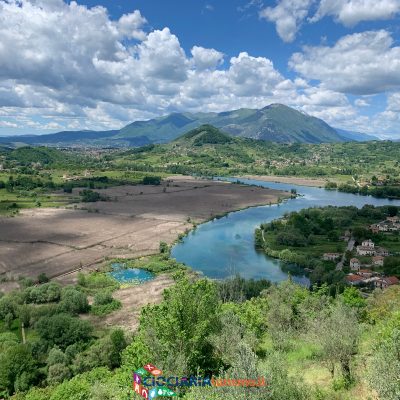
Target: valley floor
[62, 241]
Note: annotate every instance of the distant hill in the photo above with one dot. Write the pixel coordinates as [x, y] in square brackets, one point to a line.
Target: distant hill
[204, 134]
[355, 136]
[276, 123]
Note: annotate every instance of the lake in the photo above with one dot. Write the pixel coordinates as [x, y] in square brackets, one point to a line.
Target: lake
[223, 247]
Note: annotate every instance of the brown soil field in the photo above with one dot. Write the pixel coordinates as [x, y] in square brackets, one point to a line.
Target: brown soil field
[289, 179]
[59, 241]
[133, 298]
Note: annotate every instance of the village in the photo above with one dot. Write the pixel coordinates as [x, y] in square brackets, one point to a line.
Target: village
[368, 259]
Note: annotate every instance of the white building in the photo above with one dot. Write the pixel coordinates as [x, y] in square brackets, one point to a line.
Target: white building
[355, 264]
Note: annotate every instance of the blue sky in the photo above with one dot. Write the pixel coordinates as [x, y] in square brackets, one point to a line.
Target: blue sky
[102, 64]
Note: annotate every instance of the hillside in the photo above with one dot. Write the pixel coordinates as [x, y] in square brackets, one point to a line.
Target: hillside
[276, 123]
[355, 136]
[204, 134]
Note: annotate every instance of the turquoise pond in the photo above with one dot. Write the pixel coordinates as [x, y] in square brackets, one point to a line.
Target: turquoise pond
[130, 275]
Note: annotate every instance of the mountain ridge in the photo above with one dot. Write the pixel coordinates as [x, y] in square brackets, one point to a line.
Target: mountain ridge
[274, 122]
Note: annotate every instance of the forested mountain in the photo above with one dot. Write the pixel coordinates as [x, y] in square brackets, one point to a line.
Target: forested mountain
[276, 123]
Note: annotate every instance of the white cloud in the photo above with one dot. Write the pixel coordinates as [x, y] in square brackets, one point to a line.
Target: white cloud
[110, 72]
[288, 16]
[351, 12]
[360, 102]
[206, 58]
[361, 63]
[7, 124]
[393, 102]
[130, 25]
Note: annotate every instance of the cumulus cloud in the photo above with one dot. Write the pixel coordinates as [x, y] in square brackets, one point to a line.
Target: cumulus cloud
[287, 16]
[361, 63]
[206, 58]
[130, 25]
[69, 66]
[351, 12]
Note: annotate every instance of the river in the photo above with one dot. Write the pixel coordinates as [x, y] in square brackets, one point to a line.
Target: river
[225, 246]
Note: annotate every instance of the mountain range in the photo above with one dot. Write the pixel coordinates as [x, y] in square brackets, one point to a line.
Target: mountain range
[276, 123]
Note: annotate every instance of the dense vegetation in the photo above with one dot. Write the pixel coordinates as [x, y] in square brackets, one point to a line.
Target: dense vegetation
[307, 344]
[366, 168]
[303, 237]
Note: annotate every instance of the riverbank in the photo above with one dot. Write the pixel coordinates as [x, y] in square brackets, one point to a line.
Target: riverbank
[288, 179]
[60, 242]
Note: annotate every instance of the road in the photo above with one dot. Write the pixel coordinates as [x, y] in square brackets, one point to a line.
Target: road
[350, 247]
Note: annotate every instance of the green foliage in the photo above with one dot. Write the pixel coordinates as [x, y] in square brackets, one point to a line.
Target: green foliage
[43, 278]
[384, 366]
[176, 331]
[90, 196]
[46, 293]
[63, 330]
[151, 180]
[239, 289]
[353, 298]
[73, 301]
[95, 281]
[17, 369]
[103, 309]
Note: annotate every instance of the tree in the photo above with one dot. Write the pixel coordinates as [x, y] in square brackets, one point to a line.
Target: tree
[63, 330]
[58, 373]
[74, 301]
[384, 366]
[17, 369]
[176, 332]
[337, 331]
[8, 320]
[119, 343]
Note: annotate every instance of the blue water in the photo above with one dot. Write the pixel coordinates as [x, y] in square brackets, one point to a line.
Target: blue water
[130, 275]
[225, 246]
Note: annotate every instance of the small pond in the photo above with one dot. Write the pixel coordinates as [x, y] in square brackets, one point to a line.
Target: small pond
[130, 275]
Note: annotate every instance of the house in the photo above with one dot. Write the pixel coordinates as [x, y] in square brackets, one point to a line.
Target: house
[367, 248]
[368, 243]
[381, 251]
[331, 256]
[354, 279]
[365, 273]
[355, 264]
[378, 261]
[384, 283]
[365, 251]
[393, 219]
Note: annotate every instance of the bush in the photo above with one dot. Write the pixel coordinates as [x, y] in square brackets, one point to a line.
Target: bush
[151, 180]
[104, 309]
[46, 293]
[90, 196]
[73, 301]
[43, 278]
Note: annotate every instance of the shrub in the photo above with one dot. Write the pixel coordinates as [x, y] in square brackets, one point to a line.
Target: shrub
[73, 301]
